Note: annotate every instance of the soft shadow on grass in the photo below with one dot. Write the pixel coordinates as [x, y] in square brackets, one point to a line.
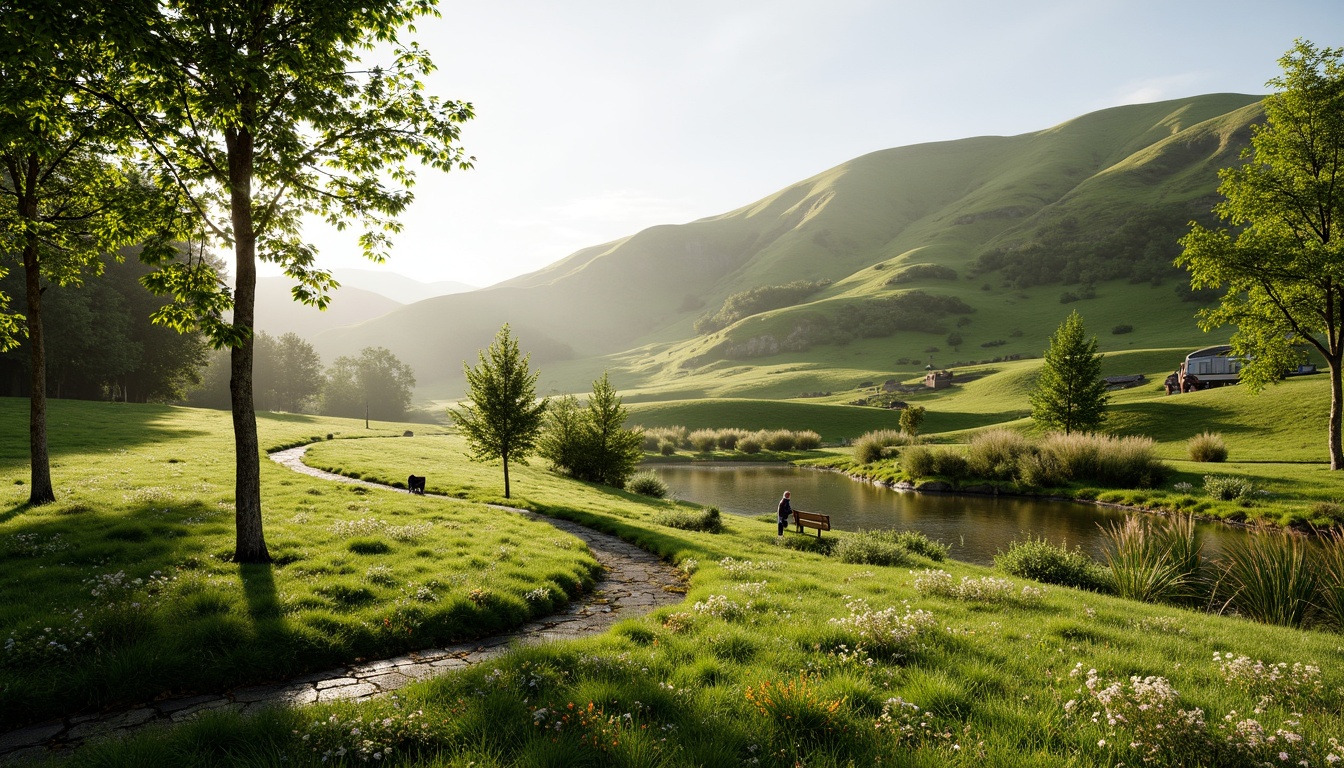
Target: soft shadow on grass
[13, 512]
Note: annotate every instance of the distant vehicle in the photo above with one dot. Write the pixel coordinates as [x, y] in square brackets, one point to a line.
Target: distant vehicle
[1217, 366]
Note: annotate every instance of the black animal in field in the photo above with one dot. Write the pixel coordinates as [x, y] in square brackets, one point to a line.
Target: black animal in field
[416, 485]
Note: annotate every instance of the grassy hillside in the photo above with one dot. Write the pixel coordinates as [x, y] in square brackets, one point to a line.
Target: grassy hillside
[1010, 216]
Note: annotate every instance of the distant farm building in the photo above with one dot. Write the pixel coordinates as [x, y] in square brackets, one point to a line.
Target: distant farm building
[938, 379]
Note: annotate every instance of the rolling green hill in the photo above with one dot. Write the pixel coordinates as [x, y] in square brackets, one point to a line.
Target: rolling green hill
[1090, 208]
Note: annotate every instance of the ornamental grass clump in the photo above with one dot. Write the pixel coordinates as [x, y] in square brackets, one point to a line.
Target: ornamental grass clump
[1040, 560]
[1128, 462]
[647, 484]
[704, 440]
[1330, 573]
[1270, 577]
[869, 446]
[1207, 446]
[779, 440]
[995, 454]
[1151, 561]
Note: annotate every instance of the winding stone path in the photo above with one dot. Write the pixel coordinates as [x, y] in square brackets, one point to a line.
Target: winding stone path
[634, 582]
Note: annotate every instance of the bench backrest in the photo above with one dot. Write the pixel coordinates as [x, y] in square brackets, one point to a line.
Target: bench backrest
[812, 517]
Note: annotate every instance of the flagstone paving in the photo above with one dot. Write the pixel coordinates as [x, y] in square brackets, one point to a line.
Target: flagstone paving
[633, 583]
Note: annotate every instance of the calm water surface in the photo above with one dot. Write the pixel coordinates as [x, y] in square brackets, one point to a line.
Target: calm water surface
[976, 527]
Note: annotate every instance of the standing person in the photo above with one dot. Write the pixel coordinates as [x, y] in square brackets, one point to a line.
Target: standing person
[785, 511]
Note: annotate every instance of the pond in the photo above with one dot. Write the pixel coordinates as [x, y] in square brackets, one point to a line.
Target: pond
[976, 527]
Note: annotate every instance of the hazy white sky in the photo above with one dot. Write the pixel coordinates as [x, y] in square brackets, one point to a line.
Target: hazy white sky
[598, 118]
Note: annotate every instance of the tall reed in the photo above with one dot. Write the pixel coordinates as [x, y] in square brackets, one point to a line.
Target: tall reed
[996, 453]
[1330, 572]
[1153, 561]
[1269, 577]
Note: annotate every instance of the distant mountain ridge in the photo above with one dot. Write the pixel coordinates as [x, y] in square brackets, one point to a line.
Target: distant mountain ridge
[1093, 199]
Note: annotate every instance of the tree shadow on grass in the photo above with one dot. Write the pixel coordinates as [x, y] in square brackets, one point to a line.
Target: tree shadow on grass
[14, 511]
[263, 601]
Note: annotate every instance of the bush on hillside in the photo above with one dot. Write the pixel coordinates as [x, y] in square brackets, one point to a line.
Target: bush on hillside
[872, 548]
[1039, 560]
[757, 300]
[1207, 446]
[749, 445]
[647, 484]
[923, 272]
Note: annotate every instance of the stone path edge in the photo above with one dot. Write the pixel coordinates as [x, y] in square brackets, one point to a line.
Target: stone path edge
[634, 582]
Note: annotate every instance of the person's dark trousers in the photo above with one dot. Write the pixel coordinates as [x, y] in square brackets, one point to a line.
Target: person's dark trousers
[782, 523]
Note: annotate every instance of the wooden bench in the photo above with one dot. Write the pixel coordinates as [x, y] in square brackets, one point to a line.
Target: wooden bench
[812, 520]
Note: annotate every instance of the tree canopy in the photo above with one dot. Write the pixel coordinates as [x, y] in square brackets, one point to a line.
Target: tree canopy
[376, 384]
[1070, 394]
[502, 418]
[1281, 266]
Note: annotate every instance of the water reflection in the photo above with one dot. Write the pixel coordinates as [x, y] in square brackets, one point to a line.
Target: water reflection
[975, 526]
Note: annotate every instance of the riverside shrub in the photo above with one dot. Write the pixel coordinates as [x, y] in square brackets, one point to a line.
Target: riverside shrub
[647, 484]
[996, 453]
[1040, 560]
[868, 448]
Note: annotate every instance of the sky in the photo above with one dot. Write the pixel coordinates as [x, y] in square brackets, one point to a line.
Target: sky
[598, 118]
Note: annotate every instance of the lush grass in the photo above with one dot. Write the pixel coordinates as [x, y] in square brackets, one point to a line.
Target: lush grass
[791, 657]
[123, 589]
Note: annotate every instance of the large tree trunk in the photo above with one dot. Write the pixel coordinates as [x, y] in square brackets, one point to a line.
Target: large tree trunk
[250, 545]
[41, 491]
[1336, 414]
[506, 474]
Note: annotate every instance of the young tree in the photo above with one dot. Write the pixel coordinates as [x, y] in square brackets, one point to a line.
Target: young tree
[259, 114]
[63, 203]
[564, 434]
[1069, 393]
[614, 451]
[503, 419]
[592, 443]
[1283, 267]
[911, 418]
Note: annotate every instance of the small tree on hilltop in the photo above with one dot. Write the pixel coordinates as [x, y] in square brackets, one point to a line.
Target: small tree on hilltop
[1283, 268]
[1070, 394]
[503, 419]
[911, 418]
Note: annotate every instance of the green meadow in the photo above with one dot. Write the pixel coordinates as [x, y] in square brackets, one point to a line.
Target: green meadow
[124, 588]
[779, 655]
